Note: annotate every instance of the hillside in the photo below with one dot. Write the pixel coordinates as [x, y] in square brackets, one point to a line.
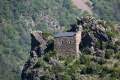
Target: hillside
[107, 9]
[104, 9]
[82, 4]
[19, 17]
[53, 59]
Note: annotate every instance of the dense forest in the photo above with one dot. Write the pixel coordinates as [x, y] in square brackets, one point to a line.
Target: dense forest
[19, 17]
[107, 9]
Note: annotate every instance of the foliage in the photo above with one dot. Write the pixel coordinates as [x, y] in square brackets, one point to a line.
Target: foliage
[84, 59]
[107, 9]
[19, 17]
[117, 55]
[109, 53]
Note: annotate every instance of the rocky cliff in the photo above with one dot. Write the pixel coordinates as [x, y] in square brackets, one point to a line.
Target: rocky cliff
[98, 47]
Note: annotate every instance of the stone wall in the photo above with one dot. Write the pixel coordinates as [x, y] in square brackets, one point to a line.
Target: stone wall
[78, 40]
[65, 45]
[68, 45]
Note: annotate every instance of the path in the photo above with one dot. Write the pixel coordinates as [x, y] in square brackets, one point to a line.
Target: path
[81, 4]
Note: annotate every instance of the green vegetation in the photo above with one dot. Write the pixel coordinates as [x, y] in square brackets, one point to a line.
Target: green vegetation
[87, 66]
[107, 9]
[19, 17]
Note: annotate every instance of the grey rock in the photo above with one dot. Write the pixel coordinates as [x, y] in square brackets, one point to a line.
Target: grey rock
[38, 43]
[54, 62]
[100, 53]
[88, 40]
[102, 36]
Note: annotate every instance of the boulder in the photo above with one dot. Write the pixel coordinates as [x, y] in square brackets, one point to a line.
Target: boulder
[54, 62]
[102, 36]
[88, 40]
[100, 53]
[38, 43]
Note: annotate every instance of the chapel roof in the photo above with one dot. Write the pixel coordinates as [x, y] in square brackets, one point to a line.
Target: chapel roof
[64, 34]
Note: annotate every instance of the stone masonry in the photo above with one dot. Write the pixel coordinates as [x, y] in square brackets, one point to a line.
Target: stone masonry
[67, 43]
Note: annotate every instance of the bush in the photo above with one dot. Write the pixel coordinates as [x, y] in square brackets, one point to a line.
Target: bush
[91, 69]
[65, 77]
[114, 72]
[48, 55]
[100, 61]
[117, 55]
[109, 53]
[50, 46]
[84, 59]
[41, 63]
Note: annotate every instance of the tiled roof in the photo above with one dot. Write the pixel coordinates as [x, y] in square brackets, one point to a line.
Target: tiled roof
[63, 34]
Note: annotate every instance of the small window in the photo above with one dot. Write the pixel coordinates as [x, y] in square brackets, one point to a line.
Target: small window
[69, 42]
[62, 42]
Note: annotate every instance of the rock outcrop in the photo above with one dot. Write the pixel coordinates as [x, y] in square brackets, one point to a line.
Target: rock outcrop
[94, 31]
[38, 45]
[44, 64]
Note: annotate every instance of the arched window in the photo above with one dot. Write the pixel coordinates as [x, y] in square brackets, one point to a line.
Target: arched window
[62, 42]
[69, 42]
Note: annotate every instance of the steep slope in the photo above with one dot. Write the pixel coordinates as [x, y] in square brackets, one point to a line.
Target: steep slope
[17, 19]
[104, 9]
[107, 9]
[98, 60]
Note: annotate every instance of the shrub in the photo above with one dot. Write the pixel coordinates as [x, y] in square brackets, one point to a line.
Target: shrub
[99, 60]
[65, 77]
[41, 63]
[48, 55]
[112, 34]
[117, 55]
[91, 69]
[109, 53]
[50, 46]
[84, 59]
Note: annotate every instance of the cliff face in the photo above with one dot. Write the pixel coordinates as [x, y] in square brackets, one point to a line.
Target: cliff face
[97, 47]
[38, 45]
[18, 17]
